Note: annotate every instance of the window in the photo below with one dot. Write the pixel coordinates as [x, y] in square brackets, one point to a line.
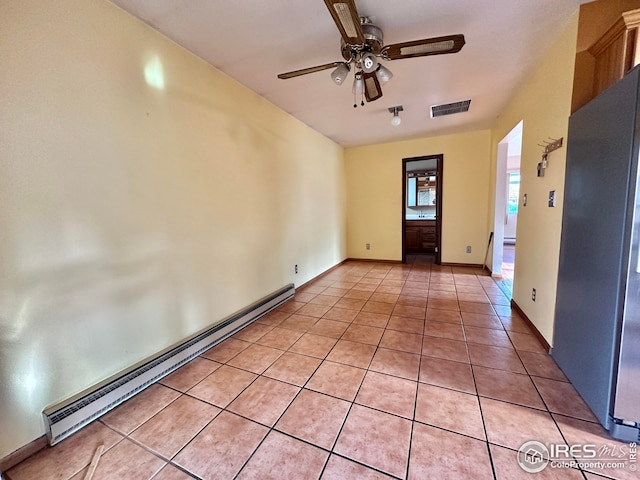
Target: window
[513, 193]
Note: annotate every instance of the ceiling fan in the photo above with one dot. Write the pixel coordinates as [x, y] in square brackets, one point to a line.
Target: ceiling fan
[362, 46]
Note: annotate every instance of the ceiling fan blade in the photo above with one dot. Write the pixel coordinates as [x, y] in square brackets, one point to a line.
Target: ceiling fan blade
[372, 90]
[304, 71]
[421, 48]
[347, 20]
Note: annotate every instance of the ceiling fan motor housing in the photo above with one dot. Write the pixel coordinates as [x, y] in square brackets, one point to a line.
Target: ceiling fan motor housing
[372, 36]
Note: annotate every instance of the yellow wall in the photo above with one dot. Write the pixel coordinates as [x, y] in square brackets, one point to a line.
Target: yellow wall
[143, 196]
[544, 103]
[374, 196]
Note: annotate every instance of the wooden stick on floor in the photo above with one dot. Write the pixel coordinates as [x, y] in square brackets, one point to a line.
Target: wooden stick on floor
[484, 264]
[94, 462]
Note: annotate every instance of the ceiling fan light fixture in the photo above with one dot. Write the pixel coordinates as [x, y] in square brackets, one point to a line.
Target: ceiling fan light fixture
[362, 45]
[368, 62]
[396, 120]
[339, 74]
[358, 89]
[383, 74]
[358, 85]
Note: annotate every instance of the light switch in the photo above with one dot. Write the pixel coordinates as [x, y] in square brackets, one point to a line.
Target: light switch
[552, 198]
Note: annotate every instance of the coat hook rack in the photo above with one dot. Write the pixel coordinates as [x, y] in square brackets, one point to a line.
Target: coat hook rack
[548, 147]
[554, 144]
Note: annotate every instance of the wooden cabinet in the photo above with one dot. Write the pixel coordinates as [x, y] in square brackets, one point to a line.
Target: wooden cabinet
[420, 236]
[428, 237]
[412, 237]
[616, 52]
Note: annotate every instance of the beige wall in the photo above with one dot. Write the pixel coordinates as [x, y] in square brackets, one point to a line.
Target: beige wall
[143, 196]
[543, 102]
[374, 196]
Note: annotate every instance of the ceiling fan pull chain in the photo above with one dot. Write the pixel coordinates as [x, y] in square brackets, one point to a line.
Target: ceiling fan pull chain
[355, 99]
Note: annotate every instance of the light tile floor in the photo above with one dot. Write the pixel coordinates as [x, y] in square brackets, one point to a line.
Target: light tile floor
[373, 371]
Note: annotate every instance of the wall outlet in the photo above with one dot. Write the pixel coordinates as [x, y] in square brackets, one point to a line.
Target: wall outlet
[533, 294]
[295, 268]
[368, 246]
[468, 248]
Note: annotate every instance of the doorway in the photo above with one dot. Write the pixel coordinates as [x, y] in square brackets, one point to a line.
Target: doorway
[422, 208]
[506, 208]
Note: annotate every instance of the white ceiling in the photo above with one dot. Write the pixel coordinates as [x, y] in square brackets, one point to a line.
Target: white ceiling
[254, 40]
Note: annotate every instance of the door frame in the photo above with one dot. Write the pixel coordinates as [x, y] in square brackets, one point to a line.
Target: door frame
[500, 195]
[439, 189]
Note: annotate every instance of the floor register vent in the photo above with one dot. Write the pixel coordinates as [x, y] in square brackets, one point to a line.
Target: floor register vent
[65, 418]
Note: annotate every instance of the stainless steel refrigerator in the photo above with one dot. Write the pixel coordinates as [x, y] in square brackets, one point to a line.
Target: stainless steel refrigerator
[597, 319]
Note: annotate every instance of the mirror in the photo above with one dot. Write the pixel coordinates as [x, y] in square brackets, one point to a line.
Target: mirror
[421, 189]
[426, 195]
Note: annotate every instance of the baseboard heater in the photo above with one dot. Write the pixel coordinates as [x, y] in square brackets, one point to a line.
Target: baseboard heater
[63, 419]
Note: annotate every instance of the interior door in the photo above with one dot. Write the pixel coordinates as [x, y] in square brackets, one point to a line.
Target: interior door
[422, 206]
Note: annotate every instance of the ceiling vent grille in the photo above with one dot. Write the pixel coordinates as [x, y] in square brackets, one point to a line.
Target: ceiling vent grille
[449, 108]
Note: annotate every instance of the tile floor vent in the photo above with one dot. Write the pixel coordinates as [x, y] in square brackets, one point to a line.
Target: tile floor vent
[65, 418]
[449, 108]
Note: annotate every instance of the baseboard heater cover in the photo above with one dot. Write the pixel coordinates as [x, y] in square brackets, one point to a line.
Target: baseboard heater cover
[65, 418]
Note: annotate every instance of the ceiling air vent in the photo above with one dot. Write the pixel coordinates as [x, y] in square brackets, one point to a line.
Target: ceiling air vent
[449, 108]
